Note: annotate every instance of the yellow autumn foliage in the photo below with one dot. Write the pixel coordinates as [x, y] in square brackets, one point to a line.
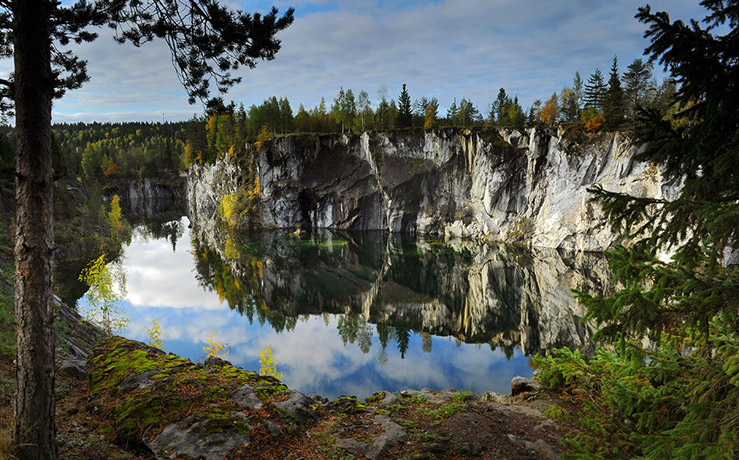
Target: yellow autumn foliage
[263, 136]
[236, 204]
[115, 216]
[269, 365]
[155, 334]
[230, 208]
[216, 347]
[104, 296]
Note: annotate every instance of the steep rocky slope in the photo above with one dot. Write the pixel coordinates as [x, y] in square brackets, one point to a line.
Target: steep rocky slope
[502, 185]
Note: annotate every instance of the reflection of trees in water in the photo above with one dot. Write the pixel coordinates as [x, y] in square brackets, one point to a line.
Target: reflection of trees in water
[403, 338]
[161, 219]
[353, 328]
[167, 225]
[476, 292]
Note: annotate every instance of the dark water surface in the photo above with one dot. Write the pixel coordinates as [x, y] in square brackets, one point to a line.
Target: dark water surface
[358, 313]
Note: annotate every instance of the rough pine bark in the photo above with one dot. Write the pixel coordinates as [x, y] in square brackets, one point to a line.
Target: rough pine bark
[34, 432]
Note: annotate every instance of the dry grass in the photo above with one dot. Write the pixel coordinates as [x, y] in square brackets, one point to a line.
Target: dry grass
[5, 445]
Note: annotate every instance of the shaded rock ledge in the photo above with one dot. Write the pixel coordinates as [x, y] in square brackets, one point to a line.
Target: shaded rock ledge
[75, 340]
[173, 408]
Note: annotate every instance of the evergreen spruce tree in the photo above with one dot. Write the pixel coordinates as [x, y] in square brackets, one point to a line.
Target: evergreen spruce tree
[516, 116]
[636, 81]
[595, 91]
[405, 113]
[498, 113]
[285, 116]
[613, 106]
[682, 394]
[577, 88]
[698, 149]
[452, 113]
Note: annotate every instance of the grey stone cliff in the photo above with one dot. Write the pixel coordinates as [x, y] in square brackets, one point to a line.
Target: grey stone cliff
[511, 186]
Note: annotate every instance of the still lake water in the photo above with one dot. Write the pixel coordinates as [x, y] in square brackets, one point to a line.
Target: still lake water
[358, 313]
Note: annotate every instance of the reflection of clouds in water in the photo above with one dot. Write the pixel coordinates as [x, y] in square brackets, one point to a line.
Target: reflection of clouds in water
[417, 366]
[186, 324]
[310, 354]
[313, 357]
[158, 277]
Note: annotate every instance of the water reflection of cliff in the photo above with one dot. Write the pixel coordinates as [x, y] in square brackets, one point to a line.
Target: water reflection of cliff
[505, 296]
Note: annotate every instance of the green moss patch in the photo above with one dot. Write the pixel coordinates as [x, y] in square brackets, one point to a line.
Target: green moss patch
[346, 405]
[142, 390]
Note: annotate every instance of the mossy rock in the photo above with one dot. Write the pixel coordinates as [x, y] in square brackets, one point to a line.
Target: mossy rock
[143, 390]
[346, 405]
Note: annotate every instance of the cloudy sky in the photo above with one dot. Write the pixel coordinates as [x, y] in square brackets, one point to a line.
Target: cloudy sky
[440, 48]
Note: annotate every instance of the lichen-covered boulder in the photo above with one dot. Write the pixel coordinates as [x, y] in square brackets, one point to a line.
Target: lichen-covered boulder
[177, 408]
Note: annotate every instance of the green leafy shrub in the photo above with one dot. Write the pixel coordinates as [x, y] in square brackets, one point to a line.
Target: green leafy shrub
[242, 202]
[105, 295]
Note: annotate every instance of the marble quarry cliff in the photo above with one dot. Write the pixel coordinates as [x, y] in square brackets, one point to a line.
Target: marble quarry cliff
[526, 187]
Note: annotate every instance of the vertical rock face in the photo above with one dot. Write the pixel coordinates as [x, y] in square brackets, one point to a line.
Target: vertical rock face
[503, 185]
[147, 197]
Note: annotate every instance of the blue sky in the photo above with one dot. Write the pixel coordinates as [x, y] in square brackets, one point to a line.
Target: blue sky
[445, 48]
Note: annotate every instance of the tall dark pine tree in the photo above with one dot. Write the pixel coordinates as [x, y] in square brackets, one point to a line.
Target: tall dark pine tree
[595, 91]
[613, 105]
[403, 337]
[207, 42]
[452, 113]
[498, 113]
[694, 298]
[636, 81]
[405, 113]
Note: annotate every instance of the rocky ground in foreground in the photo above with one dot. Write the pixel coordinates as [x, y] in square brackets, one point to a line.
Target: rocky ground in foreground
[140, 403]
[121, 399]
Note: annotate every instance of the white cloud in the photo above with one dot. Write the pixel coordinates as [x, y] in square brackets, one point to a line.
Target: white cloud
[313, 357]
[158, 277]
[446, 49]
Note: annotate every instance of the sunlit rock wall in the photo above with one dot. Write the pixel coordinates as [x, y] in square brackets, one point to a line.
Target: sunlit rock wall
[502, 185]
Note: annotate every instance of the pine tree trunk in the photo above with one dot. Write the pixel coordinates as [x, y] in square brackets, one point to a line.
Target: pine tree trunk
[34, 432]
